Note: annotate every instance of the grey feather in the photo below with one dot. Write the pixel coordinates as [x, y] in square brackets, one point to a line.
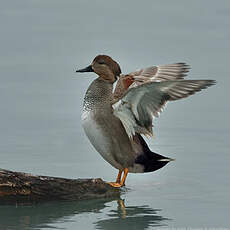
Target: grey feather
[140, 104]
[161, 72]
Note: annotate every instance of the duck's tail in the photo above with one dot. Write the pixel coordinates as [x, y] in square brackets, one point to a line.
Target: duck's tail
[150, 160]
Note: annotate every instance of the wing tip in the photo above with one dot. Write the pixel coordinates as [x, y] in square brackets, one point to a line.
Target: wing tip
[208, 83]
[212, 82]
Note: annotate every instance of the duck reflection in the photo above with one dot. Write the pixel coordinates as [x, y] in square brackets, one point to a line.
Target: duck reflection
[131, 217]
[49, 215]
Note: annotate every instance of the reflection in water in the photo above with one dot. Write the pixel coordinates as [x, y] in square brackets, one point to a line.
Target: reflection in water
[44, 214]
[131, 217]
[50, 214]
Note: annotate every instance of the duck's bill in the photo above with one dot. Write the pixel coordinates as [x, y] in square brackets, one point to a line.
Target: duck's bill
[87, 69]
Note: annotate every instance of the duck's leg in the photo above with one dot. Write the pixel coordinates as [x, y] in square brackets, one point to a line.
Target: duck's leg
[124, 177]
[119, 176]
[118, 180]
[122, 182]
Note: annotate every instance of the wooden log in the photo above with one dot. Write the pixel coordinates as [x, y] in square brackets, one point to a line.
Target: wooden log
[24, 187]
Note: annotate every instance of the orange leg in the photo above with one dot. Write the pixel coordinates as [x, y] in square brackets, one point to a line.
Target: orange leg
[122, 182]
[119, 176]
[124, 177]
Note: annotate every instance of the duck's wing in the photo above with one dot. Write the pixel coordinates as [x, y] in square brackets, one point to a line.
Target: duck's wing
[159, 73]
[140, 104]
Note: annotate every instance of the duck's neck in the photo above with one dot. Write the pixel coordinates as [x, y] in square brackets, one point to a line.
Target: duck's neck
[99, 95]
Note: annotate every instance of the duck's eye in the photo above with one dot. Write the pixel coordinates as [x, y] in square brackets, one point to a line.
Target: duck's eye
[101, 62]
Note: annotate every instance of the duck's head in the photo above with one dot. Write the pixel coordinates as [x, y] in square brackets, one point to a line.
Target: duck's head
[105, 67]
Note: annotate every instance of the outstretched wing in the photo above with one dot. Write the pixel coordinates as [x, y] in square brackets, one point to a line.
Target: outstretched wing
[154, 73]
[140, 104]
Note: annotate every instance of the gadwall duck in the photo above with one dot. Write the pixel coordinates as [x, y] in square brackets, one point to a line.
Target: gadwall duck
[114, 120]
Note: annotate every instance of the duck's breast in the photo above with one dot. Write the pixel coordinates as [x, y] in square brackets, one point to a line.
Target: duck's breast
[97, 137]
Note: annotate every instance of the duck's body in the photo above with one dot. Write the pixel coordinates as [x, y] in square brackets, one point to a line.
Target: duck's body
[103, 129]
[107, 134]
[114, 121]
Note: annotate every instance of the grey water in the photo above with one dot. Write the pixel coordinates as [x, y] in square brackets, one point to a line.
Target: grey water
[42, 43]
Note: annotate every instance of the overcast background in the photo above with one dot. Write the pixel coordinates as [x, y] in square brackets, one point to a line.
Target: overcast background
[42, 43]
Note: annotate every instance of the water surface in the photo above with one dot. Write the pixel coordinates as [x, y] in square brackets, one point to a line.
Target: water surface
[43, 42]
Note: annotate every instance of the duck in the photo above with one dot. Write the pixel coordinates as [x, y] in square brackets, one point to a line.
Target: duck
[118, 111]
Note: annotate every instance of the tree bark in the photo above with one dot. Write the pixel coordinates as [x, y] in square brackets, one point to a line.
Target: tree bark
[24, 187]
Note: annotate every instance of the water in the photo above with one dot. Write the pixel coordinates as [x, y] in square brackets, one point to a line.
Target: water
[43, 42]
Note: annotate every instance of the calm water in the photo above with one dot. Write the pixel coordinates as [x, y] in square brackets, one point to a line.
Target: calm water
[43, 42]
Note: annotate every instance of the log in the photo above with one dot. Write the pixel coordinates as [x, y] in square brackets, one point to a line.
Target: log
[24, 187]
